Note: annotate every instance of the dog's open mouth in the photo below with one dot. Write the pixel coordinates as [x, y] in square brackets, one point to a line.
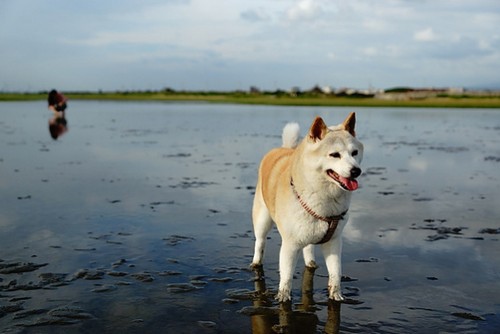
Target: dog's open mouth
[347, 184]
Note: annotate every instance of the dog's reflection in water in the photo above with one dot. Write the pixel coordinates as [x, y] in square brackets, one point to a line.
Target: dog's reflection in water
[288, 318]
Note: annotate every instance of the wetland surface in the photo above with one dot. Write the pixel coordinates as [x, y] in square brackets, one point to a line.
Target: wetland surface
[137, 220]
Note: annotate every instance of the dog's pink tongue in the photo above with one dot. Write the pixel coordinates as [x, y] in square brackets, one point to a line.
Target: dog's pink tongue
[349, 183]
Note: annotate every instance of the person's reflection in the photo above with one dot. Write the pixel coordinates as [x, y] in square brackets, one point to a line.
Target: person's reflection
[58, 125]
[303, 319]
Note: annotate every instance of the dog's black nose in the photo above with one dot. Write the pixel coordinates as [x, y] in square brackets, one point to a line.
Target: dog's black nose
[355, 172]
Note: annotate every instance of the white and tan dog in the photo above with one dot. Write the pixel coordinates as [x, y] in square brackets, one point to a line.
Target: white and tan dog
[305, 188]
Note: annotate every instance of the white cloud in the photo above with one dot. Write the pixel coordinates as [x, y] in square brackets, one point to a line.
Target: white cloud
[425, 35]
[417, 164]
[304, 10]
[255, 15]
[375, 25]
[370, 51]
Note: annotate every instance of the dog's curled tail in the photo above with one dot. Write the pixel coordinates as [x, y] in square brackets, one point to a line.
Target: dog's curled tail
[290, 135]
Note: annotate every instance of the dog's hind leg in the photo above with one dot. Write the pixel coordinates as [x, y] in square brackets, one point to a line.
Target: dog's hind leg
[309, 258]
[262, 224]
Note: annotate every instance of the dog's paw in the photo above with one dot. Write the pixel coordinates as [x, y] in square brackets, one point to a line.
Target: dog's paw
[335, 293]
[255, 266]
[337, 296]
[283, 296]
[258, 269]
[312, 265]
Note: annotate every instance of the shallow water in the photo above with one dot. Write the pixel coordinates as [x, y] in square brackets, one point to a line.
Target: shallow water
[138, 220]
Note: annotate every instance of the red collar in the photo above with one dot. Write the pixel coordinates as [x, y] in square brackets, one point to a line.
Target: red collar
[332, 221]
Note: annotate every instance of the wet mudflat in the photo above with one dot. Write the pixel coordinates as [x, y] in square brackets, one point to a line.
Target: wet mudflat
[138, 220]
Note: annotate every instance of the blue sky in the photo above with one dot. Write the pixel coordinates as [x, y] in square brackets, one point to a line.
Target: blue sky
[231, 44]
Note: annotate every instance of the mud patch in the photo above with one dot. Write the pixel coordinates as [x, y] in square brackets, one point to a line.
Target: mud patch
[177, 155]
[61, 316]
[192, 183]
[492, 158]
[174, 240]
[181, 287]
[490, 231]
[19, 267]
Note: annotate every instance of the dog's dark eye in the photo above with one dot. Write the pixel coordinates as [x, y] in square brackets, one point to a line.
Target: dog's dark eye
[354, 153]
[335, 155]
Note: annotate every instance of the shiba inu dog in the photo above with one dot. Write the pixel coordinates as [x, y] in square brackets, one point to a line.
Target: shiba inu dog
[305, 188]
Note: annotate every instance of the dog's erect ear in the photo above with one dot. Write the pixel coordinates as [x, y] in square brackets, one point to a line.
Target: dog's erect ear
[349, 124]
[318, 129]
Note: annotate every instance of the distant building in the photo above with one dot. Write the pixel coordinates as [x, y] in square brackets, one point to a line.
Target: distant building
[254, 90]
[456, 90]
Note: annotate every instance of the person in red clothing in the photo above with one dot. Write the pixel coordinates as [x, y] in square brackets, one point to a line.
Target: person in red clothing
[57, 101]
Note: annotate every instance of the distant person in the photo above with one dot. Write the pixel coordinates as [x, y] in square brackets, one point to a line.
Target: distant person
[57, 101]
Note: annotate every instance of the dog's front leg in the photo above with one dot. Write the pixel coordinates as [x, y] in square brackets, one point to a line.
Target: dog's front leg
[332, 251]
[288, 261]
